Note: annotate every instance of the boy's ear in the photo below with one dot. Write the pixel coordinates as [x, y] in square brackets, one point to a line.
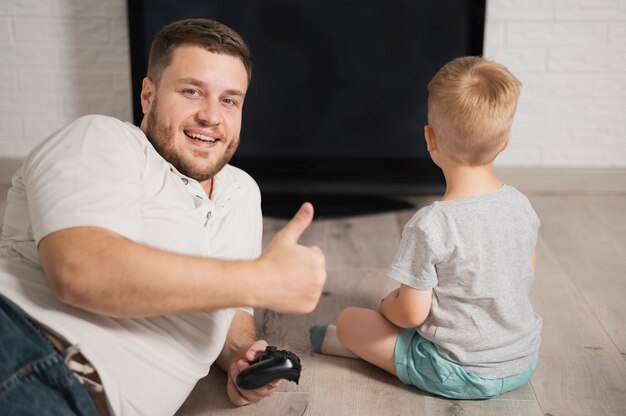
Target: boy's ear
[431, 139]
[507, 142]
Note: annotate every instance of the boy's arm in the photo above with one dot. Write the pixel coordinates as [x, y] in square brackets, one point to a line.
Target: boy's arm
[406, 307]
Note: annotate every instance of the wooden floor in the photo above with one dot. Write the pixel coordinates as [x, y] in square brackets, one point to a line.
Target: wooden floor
[579, 290]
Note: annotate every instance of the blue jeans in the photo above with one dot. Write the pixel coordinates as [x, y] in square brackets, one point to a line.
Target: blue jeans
[34, 379]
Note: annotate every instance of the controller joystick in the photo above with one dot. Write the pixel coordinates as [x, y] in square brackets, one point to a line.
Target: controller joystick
[274, 364]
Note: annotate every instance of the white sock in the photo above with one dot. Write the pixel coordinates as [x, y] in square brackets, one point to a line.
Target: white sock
[324, 340]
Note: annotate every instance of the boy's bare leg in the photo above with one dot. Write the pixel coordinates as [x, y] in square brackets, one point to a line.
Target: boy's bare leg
[370, 336]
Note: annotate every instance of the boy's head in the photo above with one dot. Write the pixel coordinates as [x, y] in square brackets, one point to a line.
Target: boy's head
[471, 104]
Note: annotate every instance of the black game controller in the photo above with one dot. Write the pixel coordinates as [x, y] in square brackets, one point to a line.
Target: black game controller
[274, 364]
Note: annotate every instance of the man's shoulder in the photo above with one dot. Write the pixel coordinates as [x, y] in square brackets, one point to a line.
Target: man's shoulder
[108, 133]
[240, 176]
[89, 139]
[234, 188]
[98, 122]
[239, 181]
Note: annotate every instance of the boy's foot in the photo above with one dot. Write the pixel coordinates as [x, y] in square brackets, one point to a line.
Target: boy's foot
[324, 340]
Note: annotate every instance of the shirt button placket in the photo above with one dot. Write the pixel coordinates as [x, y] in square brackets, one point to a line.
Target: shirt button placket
[208, 217]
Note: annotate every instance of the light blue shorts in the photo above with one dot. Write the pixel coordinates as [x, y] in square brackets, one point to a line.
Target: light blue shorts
[419, 364]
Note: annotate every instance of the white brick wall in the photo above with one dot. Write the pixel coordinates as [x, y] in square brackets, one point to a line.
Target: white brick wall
[571, 57]
[60, 59]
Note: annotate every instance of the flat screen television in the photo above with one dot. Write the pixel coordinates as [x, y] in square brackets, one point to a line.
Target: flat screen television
[337, 103]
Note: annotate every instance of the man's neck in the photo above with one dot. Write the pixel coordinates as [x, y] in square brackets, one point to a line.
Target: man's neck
[208, 187]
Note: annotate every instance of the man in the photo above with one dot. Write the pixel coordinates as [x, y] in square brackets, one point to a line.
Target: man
[135, 251]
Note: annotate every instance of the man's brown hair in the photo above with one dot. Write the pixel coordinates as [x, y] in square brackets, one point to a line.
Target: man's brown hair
[208, 34]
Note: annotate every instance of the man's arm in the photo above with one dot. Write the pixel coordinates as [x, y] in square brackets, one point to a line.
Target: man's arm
[406, 307]
[240, 349]
[100, 271]
[242, 332]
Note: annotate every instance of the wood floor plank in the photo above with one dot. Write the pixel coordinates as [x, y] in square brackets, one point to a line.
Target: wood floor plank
[4, 188]
[523, 393]
[366, 241]
[209, 399]
[610, 211]
[581, 372]
[588, 240]
[351, 387]
[439, 407]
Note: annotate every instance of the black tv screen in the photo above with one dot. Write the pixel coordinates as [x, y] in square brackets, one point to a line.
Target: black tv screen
[337, 102]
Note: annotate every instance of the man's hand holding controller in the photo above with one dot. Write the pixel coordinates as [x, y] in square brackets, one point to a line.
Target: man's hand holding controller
[272, 366]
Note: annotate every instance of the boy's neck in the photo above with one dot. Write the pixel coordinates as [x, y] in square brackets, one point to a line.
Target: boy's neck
[465, 181]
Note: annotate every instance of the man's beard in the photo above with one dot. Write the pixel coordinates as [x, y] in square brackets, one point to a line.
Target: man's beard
[162, 139]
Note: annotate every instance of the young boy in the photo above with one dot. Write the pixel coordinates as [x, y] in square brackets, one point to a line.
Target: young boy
[460, 325]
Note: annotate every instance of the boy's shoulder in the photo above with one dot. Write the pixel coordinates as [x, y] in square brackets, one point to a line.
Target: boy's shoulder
[443, 213]
[422, 215]
[427, 218]
[515, 194]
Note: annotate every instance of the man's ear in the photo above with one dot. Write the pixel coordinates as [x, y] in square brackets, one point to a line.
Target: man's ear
[431, 139]
[148, 93]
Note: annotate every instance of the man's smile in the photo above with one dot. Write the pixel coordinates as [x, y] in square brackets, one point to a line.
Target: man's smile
[201, 138]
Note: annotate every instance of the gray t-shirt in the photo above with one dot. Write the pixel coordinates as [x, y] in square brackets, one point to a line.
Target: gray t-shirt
[476, 254]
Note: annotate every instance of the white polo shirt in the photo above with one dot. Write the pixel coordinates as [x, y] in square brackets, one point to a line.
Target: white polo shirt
[99, 171]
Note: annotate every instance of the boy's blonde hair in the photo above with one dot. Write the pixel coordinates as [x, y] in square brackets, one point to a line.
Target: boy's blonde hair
[471, 104]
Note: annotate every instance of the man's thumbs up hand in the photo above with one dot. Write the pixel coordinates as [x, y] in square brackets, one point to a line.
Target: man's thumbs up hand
[298, 224]
[294, 274]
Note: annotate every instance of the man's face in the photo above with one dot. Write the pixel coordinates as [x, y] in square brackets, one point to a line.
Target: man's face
[193, 117]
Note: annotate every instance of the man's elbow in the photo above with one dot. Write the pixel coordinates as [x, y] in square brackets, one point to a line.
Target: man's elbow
[74, 263]
[63, 277]
[63, 271]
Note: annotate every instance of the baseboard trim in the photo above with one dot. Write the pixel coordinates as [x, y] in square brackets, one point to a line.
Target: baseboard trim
[8, 166]
[564, 180]
[527, 179]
